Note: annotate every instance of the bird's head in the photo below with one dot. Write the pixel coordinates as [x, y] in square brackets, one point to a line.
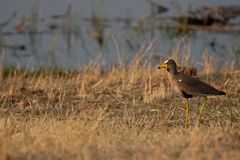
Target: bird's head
[170, 65]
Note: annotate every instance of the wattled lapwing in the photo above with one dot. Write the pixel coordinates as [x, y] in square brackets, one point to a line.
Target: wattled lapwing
[188, 86]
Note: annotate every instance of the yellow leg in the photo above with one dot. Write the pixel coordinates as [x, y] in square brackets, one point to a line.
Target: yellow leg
[201, 109]
[187, 114]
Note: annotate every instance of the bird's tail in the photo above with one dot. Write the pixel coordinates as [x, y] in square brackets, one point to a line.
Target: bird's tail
[222, 93]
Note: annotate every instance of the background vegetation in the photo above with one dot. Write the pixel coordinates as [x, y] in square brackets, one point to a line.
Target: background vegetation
[125, 112]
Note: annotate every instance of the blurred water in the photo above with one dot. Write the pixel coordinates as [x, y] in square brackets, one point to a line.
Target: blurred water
[51, 49]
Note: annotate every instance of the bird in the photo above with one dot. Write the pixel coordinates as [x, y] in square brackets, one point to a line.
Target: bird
[188, 86]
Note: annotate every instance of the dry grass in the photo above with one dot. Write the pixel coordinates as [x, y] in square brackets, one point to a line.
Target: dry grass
[126, 112]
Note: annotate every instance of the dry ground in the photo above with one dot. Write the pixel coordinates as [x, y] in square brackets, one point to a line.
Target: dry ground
[126, 112]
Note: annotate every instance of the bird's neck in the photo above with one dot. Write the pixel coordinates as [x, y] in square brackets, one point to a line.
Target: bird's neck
[172, 71]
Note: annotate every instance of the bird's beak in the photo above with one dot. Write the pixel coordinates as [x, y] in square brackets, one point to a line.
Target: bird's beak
[164, 65]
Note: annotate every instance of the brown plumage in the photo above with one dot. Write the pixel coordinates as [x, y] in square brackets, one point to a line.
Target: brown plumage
[188, 86]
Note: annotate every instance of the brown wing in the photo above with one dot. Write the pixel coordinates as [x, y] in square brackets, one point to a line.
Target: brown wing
[195, 87]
